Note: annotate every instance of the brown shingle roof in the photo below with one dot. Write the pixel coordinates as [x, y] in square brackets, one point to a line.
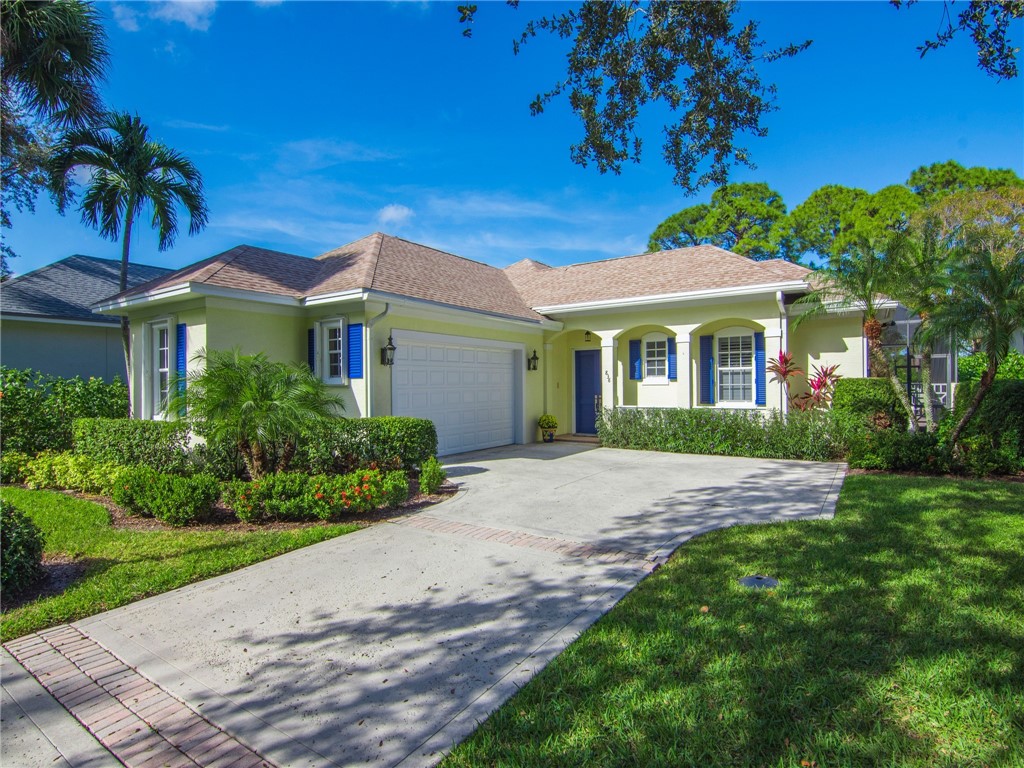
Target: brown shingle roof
[389, 264]
[684, 270]
[392, 265]
[378, 262]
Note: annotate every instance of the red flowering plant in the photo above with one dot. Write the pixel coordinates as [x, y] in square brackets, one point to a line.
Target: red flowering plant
[822, 384]
[782, 370]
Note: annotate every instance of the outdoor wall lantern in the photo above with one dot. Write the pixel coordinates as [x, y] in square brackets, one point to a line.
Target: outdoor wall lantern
[531, 362]
[387, 352]
[586, 337]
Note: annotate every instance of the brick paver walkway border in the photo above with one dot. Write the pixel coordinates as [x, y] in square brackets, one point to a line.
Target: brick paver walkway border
[565, 547]
[141, 724]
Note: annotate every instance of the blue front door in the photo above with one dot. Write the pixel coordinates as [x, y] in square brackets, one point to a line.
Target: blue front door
[588, 390]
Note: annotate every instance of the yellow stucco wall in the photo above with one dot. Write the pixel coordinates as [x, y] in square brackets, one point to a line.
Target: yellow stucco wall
[281, 333]
[832, 340]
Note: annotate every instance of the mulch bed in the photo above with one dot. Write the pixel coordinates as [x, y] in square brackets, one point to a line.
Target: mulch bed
[223, 518]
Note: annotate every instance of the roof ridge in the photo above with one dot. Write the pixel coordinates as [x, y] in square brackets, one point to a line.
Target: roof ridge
[376, 259]
[652, 253]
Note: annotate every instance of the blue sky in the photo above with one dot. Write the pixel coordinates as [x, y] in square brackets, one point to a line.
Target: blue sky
[315, 123]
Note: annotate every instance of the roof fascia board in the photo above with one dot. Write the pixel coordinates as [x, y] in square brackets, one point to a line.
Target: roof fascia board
[412, 307]
[12, 317]
[716, 294]
[173, 292]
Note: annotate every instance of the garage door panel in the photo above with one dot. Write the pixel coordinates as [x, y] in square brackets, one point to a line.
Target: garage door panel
[466, 389]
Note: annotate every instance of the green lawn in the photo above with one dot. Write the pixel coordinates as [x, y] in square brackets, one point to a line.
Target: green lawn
[896, 638]
[125, 565]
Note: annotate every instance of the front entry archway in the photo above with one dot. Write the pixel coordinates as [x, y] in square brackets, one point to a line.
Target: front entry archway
[587, 390]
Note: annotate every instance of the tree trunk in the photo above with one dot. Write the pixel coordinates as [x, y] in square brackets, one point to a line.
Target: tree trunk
[248, 459]
[126, 336]
[926, 390]
[876, 360]
[987, 379]
[904, 398]
[287, 453]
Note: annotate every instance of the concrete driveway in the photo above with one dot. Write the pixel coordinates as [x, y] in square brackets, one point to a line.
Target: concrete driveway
[387, 646]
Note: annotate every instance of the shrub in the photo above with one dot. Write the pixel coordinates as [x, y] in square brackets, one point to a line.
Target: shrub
[169, 498]
[971, 367]
[547, 421]
[819, 435]
[394, 489]
[70, 471]
[21, 549]
[995, 436]
[899, 451]
[13, 465]
[37, 409]
[432, 475]
[298, 497]
[872, 401]
[338, 446]
[159, 445]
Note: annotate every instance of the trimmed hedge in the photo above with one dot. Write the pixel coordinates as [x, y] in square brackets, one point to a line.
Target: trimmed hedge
[13, 465]
[21, 549]
[171, 499]
[37, 409]
[872, 401]
[811, 435]
[338, 446]
[159, 445]
[432, 475]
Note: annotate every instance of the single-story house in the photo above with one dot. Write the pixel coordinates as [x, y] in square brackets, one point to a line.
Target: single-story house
[47, 322]
[484, 351]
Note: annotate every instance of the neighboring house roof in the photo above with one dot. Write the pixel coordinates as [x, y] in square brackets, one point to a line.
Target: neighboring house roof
[391, 265]
[679, 271]
[67, 289]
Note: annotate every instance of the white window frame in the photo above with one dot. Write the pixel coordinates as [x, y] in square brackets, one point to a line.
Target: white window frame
[323, 351]
[152, 406]
[730, 333]
[653, 338]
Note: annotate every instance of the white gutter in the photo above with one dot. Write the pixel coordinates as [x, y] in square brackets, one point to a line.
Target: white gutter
[666, 298]
[480, 316]
[368, 358]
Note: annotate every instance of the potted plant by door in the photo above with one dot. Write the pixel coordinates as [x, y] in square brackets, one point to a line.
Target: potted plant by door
[548, 424]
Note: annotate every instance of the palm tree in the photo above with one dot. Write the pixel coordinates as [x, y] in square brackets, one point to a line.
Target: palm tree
[984, 233]
[52, 57]
[54, 53]
[918, 277]
[856, 279]
[129, 172]
[254, 404]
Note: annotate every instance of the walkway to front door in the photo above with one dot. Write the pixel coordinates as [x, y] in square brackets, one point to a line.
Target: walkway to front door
[588, 390]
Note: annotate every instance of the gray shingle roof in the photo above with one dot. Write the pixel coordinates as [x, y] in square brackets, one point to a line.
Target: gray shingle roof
[67, 289]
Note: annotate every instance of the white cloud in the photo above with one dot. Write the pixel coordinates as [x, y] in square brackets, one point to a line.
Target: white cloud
[126, 17]
[194, 14]
[191, 126]
[394, 215]
[317, 154]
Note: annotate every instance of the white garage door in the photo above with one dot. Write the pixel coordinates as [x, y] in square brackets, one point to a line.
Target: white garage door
[466, 388]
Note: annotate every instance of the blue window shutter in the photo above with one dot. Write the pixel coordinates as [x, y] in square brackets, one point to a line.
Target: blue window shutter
[354, 344]
[179, 351]
[760, 378]
[635, 363]
[706, 386]
[672, 366]
[311, 348]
